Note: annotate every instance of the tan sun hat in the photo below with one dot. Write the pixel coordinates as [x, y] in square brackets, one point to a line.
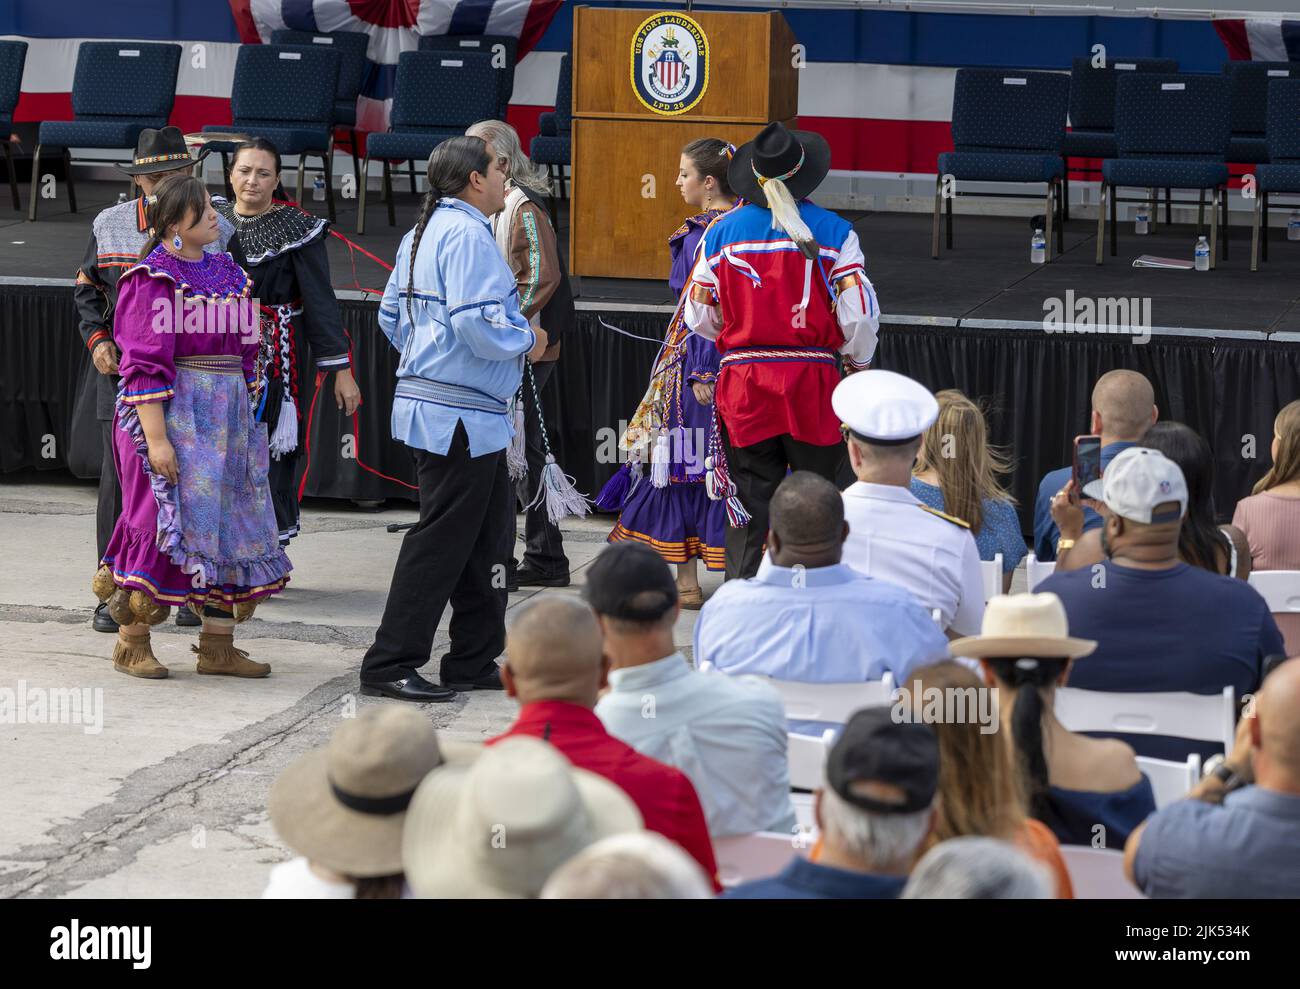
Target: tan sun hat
[342, 806]
[499, 827]
[1023, 625]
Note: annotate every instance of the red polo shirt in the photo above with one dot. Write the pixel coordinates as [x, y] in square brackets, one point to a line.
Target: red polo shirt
[664, 795]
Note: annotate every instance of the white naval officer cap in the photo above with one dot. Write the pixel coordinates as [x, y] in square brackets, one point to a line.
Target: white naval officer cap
[883, 407]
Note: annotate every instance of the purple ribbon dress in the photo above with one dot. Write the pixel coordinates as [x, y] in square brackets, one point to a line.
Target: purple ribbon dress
[679, 521]
[189, 336]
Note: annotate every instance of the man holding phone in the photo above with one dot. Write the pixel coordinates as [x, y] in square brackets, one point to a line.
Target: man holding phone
[1123, 409]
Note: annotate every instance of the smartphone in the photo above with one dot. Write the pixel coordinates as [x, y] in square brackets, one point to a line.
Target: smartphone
[1087, 461]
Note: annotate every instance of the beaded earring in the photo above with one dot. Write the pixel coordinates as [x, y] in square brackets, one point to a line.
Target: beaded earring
[177, 242]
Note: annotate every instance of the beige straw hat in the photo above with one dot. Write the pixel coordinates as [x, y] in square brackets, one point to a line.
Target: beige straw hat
[499, 827]
[342, 806]
[1023, 625]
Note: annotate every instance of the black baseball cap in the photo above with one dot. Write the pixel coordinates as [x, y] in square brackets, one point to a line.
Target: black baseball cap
[631, 581]
[874, 748]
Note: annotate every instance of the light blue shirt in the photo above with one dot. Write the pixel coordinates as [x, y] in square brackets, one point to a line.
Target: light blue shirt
[727, 734]
[463, 359]
[824, 625]
[1245, 849]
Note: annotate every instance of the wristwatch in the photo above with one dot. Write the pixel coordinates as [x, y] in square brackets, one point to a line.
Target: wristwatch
[1219, 767]
[1064, 544]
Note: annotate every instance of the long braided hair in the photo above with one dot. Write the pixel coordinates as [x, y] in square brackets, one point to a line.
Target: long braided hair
[1028, 677]
[448, 172]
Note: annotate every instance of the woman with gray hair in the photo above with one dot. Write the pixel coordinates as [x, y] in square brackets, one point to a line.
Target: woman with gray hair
[527, 241]
[974, 868]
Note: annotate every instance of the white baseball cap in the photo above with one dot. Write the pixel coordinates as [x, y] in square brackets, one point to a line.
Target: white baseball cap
[1138, 480]
[884, 407]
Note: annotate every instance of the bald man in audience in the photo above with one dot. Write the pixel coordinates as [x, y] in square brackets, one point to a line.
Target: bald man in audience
[1235, 836]
[1123, 409]
[555, 669]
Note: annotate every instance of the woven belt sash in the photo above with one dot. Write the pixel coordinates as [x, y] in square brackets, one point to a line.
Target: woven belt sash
[231, 364]
[454, 396]
[777, 355]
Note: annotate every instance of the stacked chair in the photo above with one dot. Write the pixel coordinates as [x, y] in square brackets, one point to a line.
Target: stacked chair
[1171, 132]
[13, 55]
[553, 145]
[1007, 126]
[119, 89]
[351, 46]
[438, 95]
[1282, 172]
[285, 93]
[1092, 110]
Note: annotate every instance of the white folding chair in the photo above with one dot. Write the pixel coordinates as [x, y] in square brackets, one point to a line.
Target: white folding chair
[803, 812]
[1170, 780]
[992, 571]
[744, 857]
[1036, 572]
[1098, 874]
[806, 758]
[832, 702]
[828, 702]
[1199, 717]
[1279, 588]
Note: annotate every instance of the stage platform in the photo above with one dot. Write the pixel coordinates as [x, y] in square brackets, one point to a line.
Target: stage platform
[1221, 352]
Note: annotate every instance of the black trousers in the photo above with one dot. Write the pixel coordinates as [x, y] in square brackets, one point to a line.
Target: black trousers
[757, 471]
[282, 479]
[543, 543]
[109, 505]
[457, 553]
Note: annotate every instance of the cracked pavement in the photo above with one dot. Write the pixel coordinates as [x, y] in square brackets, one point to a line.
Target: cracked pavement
[168, 797]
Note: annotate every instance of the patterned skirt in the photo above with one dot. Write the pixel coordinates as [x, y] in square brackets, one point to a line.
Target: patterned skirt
[211, 538]
[678, 522]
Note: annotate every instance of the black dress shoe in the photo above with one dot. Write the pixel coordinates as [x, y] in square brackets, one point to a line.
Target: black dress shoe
[411, 688]
[187, 619]
[103, 621]
[526, 576]
[489, 681]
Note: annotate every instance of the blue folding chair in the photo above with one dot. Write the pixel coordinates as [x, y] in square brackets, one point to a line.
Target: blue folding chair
[1248, 84]
[437, 95]
[1171, 131]
[553, 145]
[1092, 110]
[352, 47]
[1282, 172]
[119, 88]
[503, 49]
[285, 93]
[13, 55]
[1006, 127]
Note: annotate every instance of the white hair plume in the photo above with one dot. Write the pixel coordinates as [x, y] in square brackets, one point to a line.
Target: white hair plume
[785, 214]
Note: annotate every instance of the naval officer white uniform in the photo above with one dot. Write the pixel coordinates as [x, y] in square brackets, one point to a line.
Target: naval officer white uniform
[892, 534]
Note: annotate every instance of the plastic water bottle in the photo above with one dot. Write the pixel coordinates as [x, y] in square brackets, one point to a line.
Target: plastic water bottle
[1202, 254]
[318, 190]
[1142, 221]
[1038, 247]
[1293, 226]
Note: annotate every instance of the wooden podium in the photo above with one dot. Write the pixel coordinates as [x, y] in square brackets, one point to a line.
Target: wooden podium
[625, 153]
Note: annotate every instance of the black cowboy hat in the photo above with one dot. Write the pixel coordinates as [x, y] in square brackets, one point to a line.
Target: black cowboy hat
[801, 158]
[161, 151]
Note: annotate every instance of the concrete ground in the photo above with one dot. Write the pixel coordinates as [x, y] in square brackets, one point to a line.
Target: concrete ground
[159, 788]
